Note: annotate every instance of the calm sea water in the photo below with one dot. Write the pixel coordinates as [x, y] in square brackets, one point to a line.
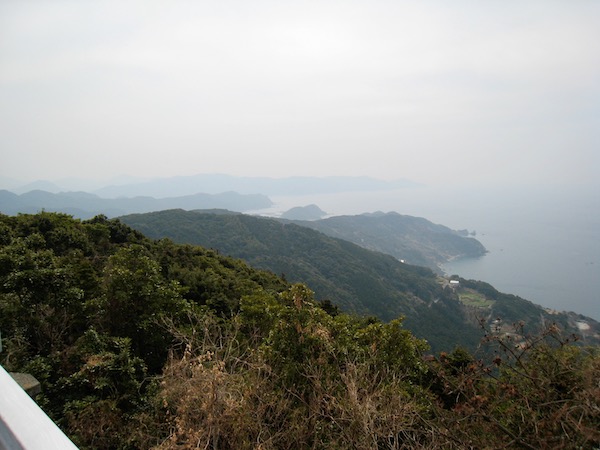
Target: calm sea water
[544, 244]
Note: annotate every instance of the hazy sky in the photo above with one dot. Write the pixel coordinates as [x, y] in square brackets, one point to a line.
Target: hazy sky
[427, 90]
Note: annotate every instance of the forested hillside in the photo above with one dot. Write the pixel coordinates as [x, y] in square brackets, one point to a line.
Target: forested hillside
[413, 239]
[152, 344]
[356, 279]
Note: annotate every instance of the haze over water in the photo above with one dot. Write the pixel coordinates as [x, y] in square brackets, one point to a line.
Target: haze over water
[544, 245]
[436, 92]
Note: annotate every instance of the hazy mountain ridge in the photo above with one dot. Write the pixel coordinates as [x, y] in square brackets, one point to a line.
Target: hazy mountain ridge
[85, 205]
[356, 279]
[213, 183]
[126, 186]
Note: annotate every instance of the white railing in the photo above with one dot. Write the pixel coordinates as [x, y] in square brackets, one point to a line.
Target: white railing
[23, 424]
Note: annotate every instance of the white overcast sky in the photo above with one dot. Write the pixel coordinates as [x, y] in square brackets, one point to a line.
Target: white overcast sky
[433, 91]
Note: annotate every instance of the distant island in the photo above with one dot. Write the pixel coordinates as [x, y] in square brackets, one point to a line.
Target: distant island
[310, 212]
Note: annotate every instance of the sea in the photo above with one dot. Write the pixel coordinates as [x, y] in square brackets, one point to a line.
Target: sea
[543, 242]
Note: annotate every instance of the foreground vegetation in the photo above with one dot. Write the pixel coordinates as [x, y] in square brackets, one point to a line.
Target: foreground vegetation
[151, 344]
